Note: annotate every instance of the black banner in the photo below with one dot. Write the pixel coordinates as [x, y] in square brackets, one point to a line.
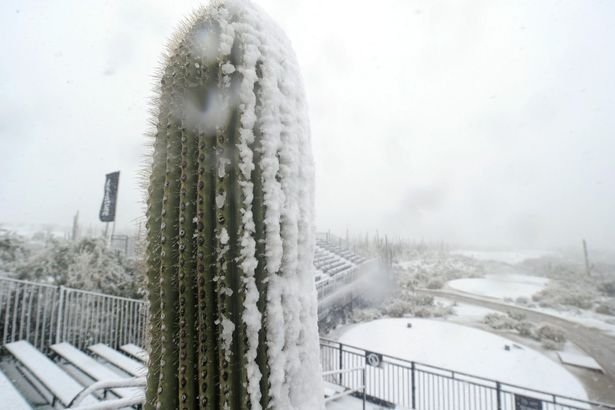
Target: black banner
[107, 209]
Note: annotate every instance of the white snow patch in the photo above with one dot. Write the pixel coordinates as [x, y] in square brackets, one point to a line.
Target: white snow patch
[511, 257]
[464, 349]
[471, 313]
[579, 360]
[228, 327]
[220, 199]
[501, 286]
[224, 236]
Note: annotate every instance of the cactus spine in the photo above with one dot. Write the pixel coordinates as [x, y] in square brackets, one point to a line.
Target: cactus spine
[229, 216]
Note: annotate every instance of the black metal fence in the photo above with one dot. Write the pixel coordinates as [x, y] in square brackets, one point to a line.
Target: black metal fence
[412, 385]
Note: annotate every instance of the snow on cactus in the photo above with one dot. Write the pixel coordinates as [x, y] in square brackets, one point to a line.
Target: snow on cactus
[230, 221]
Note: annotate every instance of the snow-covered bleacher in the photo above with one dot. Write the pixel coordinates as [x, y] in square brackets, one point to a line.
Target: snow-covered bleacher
[64, 381]
[336, 268]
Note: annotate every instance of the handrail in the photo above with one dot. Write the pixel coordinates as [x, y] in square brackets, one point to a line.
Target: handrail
[108, 384]
[348, 392]
[89, 292]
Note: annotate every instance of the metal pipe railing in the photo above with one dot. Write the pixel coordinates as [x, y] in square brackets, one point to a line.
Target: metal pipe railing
[348, 392]
[418, 385]
[110, 384]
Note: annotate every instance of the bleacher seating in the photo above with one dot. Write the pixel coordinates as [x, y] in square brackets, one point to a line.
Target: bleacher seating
[331, 260]
[60, 386]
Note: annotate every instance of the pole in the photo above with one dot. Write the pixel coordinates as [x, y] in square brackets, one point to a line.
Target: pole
[587, 267]
[60, 316]
[112, 231]
[341, 363]
[107, 241]
[364, 385]
[413, 369]
[117, 199]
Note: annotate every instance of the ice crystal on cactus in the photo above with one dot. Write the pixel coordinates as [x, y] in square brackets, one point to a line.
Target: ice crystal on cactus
[230, 221]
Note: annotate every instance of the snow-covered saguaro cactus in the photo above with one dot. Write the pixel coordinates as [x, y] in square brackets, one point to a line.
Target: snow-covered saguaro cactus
[230, 221]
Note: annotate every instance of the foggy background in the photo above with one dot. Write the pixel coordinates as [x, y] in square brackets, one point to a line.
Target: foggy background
[487, 123]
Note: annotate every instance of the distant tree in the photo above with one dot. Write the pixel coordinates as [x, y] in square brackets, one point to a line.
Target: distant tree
[86, 264]
[13, 250]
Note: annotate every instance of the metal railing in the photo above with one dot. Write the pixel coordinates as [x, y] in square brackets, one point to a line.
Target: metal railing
[44, 315]
[412, 385]
[360, 391]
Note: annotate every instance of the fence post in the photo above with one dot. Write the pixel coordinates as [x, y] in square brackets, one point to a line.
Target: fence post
[364, 385]
[412, 368]
[341, 364]
[498, 391]
[60, 308]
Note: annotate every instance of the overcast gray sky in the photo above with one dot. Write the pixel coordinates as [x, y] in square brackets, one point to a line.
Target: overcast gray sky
[483, 122]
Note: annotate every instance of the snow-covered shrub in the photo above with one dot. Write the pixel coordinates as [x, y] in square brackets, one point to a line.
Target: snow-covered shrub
[435, 284]
[608, 287]
[13, 250]
[410, 304]
[550, 332]
[522, 300]
[365, 315]
[552, 345]
[498, 321]
[525, 328]
[557, 294]
[87, 264]
[230, 221]
[606, 307]
[432, 269]
[439, 310]
[398, 308]
[517, 316]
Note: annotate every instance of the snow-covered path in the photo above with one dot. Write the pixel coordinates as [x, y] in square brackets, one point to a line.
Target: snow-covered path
[594, 342]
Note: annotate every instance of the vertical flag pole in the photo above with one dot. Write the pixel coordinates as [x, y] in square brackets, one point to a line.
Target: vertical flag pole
[117, 195]
[107, 234]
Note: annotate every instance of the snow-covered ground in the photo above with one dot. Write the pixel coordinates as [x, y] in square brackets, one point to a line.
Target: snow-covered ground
[511, 257]
[584, 317]
[501, 286]
[512, 286]
[466, 313]
[464, 349]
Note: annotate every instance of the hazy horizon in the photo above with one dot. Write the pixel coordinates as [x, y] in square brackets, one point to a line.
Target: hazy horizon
[488, 124]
